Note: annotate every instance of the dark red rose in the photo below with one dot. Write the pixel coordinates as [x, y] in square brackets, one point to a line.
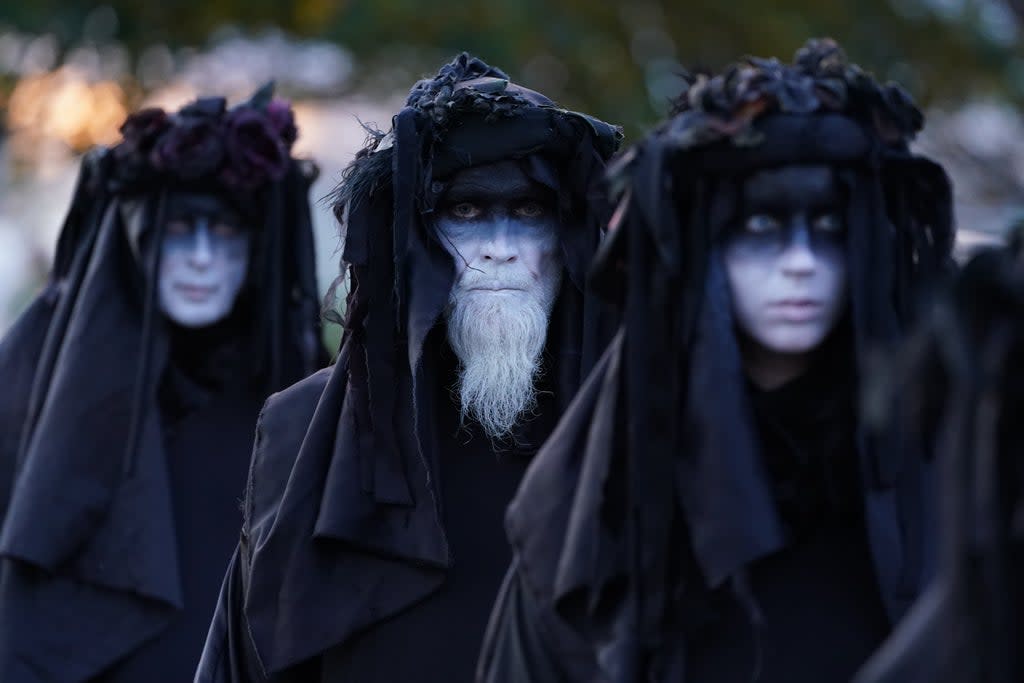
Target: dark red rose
[283, 120]
[141, 129]
[255, 151]
[190, 149]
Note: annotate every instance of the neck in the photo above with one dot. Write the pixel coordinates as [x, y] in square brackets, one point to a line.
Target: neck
[769, 369]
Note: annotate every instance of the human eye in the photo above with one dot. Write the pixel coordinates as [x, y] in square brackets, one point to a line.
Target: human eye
[829, 223]
[225, 230]
[465, 210]
[531, 209]
[761, 224]
[178, 227]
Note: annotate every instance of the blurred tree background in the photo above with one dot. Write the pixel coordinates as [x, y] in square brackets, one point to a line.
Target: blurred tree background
[71, 71]
[618, 59]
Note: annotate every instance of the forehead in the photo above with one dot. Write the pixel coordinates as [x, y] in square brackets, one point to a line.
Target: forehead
[791, 186]
[503, 179]
[185, 204]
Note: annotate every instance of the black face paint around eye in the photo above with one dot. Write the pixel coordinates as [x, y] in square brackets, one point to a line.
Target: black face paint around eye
[187, 207]
[780, 207]
[493, 190]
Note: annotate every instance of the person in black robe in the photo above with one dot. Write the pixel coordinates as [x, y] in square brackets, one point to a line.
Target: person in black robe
[372, 545]
[963, 375]
[181, 296]
[712, 508]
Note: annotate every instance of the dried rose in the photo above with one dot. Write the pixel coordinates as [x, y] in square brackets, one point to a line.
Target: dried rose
[141, 129]
[190, 149]
[255, 151]
[283, 120]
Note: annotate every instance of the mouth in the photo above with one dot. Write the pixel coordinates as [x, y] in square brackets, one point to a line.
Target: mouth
[196, 293]
[797, 310]
[495, 289]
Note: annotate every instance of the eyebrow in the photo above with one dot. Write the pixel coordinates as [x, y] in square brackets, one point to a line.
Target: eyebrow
[818, 198]
[482, 189]
[191, 213]
[776, 205]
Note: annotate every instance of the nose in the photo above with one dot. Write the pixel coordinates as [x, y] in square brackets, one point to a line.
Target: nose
[798, 260]
[201, 255]
[499, 247]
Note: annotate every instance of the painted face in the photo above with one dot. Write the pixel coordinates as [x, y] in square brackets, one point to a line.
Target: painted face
[501, 229]
[785, 258]
[203, 261]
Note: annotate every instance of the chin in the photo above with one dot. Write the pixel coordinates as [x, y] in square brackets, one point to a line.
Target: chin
[794, 341]
[195, 316]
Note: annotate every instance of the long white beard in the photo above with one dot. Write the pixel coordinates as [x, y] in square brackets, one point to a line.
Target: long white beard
[499, 339]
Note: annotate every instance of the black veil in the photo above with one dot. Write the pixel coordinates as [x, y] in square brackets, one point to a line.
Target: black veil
[359, 501]
[659, 453]
[85, 497]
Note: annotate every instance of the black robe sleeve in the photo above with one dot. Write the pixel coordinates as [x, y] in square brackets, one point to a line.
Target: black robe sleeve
[228, 656]
[525, 643]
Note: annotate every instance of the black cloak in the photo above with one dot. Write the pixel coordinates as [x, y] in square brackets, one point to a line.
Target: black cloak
[96, 380]
[963, 374]
[653, 489]
[342, 526]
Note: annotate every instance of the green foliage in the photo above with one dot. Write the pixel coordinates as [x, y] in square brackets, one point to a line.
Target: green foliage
[617, 59]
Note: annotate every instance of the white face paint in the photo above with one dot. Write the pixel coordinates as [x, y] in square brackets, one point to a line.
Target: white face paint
[786, 259]
[502, 232]
[203, 263]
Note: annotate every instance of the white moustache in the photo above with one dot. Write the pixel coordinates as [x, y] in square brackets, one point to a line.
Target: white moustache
[476, 279]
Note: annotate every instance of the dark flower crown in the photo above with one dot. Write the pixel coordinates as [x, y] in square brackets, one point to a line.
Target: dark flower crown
[820, 80]
[240, 149]
[441, 100]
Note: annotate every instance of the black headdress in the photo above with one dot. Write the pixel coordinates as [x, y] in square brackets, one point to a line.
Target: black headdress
[448, 124]
[674, 375]
[963, 375]
[85, 495]
[361, 492]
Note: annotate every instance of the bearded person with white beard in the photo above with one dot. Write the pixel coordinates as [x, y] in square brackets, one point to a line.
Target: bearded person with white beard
[372, 545]
[503, 236]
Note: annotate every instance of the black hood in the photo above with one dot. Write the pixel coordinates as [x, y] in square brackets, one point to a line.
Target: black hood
[400, 275]
[690, 452]
[365, 478]
[85, 492]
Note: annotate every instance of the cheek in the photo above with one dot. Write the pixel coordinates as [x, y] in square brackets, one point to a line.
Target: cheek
[235, 266]
[462, 251]
[748, 274]
[541, 256]
[833, 276]
[173, 258]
